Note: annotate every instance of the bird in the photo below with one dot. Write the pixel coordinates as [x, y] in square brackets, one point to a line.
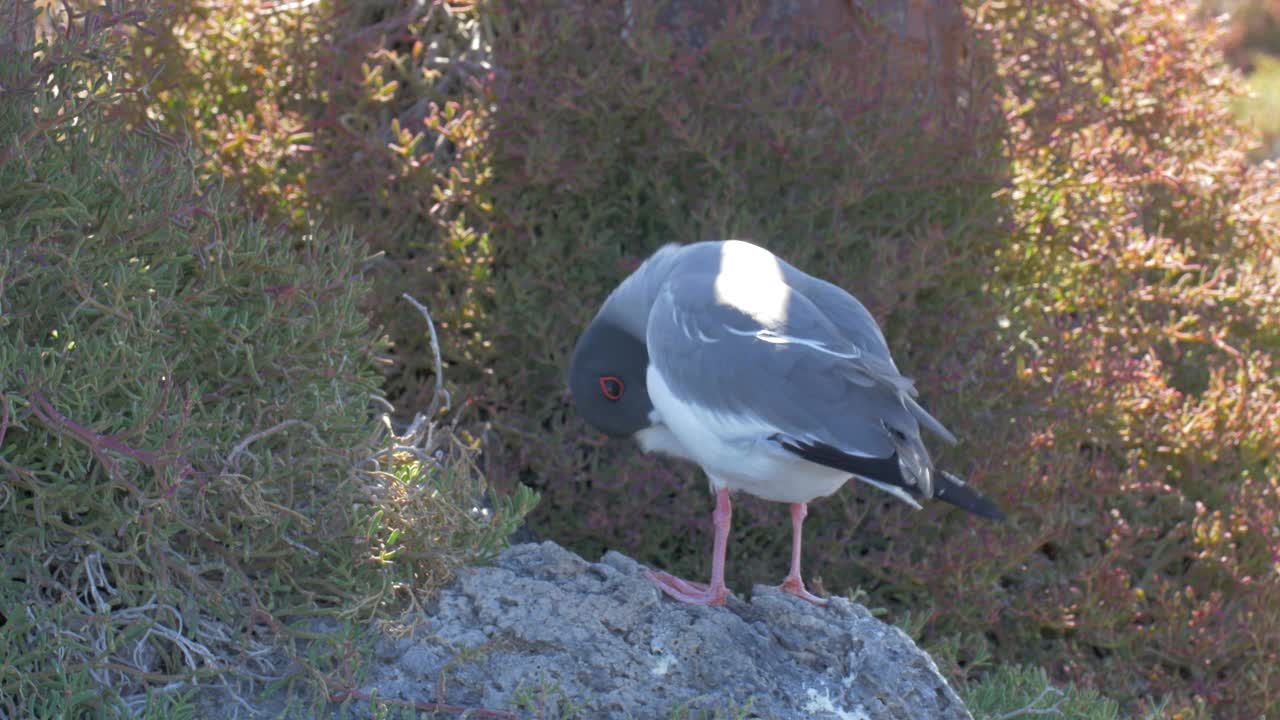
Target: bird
[777, 383]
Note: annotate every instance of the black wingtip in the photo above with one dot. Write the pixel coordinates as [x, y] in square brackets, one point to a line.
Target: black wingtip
[950, 489]
[947, 487]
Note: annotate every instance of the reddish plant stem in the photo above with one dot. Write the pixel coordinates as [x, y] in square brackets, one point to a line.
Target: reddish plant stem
[4, 418]
[55, 420]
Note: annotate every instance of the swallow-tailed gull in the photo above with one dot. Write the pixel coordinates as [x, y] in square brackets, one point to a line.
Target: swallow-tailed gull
[777, 383]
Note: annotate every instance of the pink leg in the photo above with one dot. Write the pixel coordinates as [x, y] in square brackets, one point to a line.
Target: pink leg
[793, 584]
[697, 593]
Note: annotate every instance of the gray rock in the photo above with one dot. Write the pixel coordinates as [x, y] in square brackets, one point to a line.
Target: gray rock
[546, 631]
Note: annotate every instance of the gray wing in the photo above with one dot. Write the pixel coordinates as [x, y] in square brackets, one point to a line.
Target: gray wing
[760, 350]
[856, 324]
[844, 311]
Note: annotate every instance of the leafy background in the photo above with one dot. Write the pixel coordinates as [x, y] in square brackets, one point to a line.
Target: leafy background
[1064, 219]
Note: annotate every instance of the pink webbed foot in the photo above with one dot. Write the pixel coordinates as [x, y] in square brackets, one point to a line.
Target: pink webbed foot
[795, 586]
[717, 592]
[689, 592]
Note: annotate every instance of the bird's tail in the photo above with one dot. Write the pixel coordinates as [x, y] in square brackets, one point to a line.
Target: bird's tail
[951, 489]
[891, 475]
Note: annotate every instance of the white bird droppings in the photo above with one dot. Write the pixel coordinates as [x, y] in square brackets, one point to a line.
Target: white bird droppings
[821, 702]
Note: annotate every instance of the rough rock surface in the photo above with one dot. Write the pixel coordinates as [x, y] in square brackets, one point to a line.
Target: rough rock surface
[544, 627]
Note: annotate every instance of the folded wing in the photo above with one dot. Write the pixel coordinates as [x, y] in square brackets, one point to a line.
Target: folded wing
[762, 351]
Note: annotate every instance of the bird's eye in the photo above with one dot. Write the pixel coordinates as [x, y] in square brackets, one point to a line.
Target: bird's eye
[612, 387]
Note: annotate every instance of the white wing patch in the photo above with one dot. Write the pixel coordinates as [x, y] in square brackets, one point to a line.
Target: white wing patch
[894, 491]
[696, 333]
[775, 338]
[681, 321]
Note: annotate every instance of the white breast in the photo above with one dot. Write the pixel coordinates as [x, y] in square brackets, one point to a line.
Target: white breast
[734, 450]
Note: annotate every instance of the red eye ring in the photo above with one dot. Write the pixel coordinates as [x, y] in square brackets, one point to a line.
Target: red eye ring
[612, 387]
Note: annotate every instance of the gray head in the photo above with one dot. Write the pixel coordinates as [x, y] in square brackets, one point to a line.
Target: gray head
[607, 379]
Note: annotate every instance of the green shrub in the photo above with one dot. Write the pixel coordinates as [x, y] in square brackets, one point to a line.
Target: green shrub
[367, 114]
[1020, 692]
[1143, 323]
[188, 458]
[404, 160]
[239, 79]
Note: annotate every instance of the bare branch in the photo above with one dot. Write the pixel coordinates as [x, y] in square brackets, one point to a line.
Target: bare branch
[441, 393]
[254, 437]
